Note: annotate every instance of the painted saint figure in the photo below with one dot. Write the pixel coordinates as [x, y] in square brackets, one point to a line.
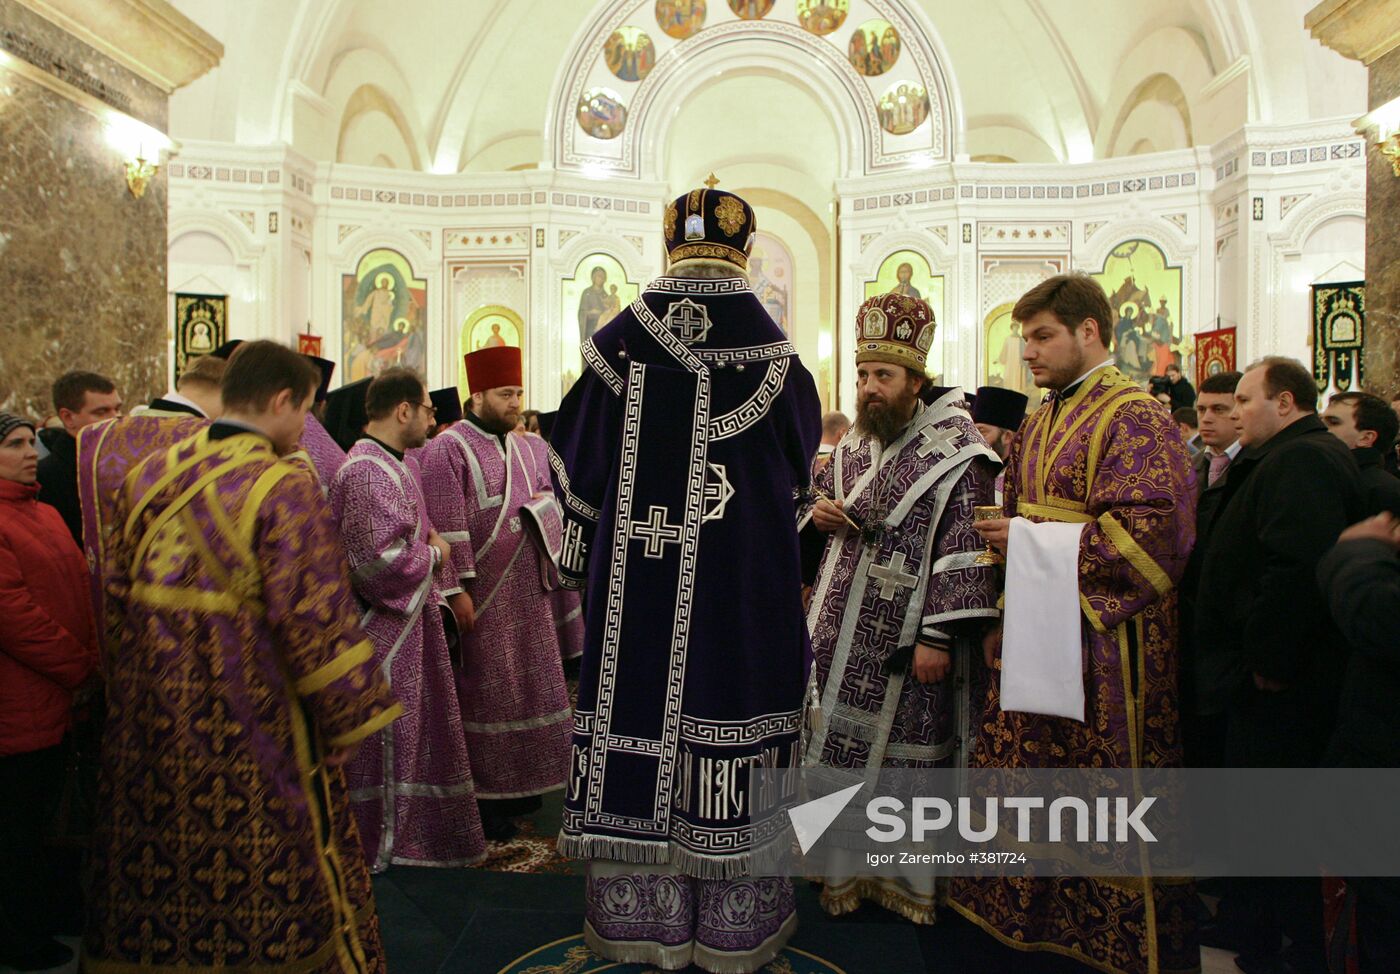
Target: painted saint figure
[593, 304]
[904, 274]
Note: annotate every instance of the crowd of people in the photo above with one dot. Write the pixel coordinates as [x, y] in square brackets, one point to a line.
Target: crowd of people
[298, 635]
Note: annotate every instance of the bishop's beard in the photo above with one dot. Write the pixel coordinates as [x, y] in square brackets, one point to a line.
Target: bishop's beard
[885, 420]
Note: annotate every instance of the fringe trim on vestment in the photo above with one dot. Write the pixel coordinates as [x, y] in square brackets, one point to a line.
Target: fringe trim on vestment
[847, 898]
[679, 957]
[645, 853]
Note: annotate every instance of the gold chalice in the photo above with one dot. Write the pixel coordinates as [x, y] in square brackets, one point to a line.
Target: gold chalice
[988, 512]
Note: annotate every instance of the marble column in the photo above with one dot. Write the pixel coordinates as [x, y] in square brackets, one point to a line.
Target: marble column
[1369, 31]
[82, 260]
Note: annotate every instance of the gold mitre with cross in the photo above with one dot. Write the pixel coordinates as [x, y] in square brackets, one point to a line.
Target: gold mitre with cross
[709, 223]
[897, 329]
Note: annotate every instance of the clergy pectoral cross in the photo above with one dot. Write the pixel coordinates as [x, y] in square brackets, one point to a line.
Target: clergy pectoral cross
[655, 532]
[937, 439]
[892, 576]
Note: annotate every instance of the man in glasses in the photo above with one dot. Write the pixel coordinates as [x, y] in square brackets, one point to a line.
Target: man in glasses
[410, 784]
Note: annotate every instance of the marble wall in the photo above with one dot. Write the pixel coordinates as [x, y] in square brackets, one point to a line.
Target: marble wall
[82, 262]
[1382, 245]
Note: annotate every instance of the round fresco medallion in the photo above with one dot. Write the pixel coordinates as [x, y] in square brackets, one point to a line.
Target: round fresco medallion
[601, 113]
[629, 53]
[680, 18]
[903, 108]
[751, 9]
[822, 17]
[874, 47]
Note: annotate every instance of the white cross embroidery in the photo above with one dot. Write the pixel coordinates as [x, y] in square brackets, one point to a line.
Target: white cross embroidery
[883, 627]
[892, 577]
[655, 532]
[937, 439]
[864, 684]
[689, 320]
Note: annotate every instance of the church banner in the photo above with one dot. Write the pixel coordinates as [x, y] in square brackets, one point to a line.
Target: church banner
[1215, 353]
[201, 324]
[1339, 329]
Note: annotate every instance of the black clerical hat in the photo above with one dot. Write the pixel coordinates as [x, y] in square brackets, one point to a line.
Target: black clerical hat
[226, 350]
[448, 403]
[327, 368]
[546, 421]
[345, 413]
[996, 406]
[709, 223]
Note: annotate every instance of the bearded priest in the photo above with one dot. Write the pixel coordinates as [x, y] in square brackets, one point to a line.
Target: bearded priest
[903, 597]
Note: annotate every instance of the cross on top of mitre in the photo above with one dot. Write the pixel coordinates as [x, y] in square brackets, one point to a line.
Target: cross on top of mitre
[712, 181]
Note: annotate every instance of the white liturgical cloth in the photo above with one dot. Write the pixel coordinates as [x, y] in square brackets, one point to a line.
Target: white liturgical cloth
[1042, 667]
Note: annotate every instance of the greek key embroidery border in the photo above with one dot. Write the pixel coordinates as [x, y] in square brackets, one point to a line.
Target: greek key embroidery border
[691, 285]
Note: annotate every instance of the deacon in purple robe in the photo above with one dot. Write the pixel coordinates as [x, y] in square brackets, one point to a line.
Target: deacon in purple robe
[900, 605]
[1099, 485]
[410, 784]
[486, 494]
[224, 838]
[325, 453]
[680, 456]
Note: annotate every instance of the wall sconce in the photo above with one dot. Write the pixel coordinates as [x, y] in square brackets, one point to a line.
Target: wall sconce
[140, 146]
[1383, 126]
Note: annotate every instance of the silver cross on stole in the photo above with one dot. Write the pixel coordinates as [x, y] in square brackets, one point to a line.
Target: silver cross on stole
[892, 576]
[940, 440]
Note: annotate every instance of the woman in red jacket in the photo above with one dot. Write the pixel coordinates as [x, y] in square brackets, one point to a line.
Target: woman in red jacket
[48, 648]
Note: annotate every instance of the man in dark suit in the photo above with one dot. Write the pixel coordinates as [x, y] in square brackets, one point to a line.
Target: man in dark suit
[1182, 392]
[80, 399]
[1203, 735]
[1270, 657]
[1368, 427]
[1361, 579]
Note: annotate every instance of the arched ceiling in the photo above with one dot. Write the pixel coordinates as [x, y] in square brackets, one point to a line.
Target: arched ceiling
[448, 86]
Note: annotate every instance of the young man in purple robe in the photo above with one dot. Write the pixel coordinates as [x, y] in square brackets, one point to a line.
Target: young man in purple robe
[483, 487]
[1100, 494]
[679, 457]
[324, 452]
[241, 685]
[900, 607]
[410, 784]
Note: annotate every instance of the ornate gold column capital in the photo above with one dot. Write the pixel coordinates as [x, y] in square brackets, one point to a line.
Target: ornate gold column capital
[1363, 30]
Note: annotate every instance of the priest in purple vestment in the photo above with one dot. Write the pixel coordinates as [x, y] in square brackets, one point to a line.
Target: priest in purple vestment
[1100, 495]
[410, 784]
[899, 608]
[679, 457]
[484, 489]
[224, 837]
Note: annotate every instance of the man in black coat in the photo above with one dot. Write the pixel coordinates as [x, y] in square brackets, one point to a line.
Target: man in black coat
[1268, 654]
[1183, 393]
[80, 399]
[1368, 427]
[1361, 579]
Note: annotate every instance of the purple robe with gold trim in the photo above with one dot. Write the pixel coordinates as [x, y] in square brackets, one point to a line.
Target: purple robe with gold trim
[921, 584]
[107, 453]
[223, 839]
[1113, 460]
[515, 703]
[410, 784]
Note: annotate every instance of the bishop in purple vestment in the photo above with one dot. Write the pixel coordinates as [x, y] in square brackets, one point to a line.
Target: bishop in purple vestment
[900, 607]
[483, 484]
[410, 784]
[1103, 454]
[680, 455]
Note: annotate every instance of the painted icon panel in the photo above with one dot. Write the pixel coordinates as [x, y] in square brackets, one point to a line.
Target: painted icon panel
[383, 316]
[874, 47]
[822, 17]
[903, 108]
[680, 18]
[629, 53]
[601, 113]
[1144, 296]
